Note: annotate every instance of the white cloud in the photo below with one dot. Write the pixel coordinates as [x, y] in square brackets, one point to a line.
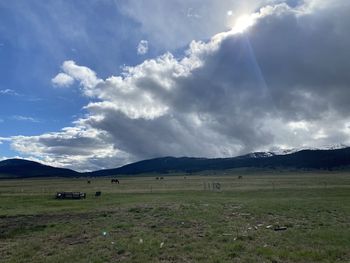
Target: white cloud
[8, 92]
[24, 118]
[142, 47]
[85, 76]
[283, 82]
[74, 147]
[62, 80]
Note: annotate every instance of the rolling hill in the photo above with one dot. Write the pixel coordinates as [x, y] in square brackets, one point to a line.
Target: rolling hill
[19, 168]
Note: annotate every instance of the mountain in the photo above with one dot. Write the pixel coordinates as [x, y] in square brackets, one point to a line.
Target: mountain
[19, 168]
[305, 159]
[336, 158]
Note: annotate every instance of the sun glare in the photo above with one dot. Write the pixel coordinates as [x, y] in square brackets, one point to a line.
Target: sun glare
[242, 23]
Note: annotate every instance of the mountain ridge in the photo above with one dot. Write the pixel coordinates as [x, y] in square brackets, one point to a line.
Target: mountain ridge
[307, 159]
[304, 159]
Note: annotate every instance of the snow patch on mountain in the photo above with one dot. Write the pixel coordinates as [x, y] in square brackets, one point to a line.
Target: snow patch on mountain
[294, 150]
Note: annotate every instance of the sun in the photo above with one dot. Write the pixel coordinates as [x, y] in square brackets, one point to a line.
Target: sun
[243, 23]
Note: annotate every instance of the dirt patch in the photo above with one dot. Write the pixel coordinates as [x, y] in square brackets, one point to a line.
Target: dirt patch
[12, 226]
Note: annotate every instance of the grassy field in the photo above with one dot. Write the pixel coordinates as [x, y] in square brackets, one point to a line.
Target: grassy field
[178, 219]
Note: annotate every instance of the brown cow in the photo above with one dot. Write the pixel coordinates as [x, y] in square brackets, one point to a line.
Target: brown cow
[116, 181]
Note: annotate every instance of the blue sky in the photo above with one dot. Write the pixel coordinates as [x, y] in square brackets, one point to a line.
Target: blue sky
[97, 84]
[35, 38]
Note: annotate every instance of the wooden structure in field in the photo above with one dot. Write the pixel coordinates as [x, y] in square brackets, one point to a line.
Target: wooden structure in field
[70, 195]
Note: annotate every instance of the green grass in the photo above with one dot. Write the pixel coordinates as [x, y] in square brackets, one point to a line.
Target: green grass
[178, 219]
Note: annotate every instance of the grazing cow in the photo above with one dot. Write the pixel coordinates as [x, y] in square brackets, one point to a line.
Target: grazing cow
[240, 177]
[89, 182]
[98, 194]
[116, 181]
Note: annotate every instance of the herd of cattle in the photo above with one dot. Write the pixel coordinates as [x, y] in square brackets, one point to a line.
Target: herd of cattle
[81, 195]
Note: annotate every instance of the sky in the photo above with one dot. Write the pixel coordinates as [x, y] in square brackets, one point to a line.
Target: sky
[96, 84]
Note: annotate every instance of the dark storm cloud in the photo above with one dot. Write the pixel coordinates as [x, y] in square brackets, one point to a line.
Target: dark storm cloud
[305, 60]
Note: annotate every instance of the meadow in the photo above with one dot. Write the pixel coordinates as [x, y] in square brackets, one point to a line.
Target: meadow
[263, 217]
